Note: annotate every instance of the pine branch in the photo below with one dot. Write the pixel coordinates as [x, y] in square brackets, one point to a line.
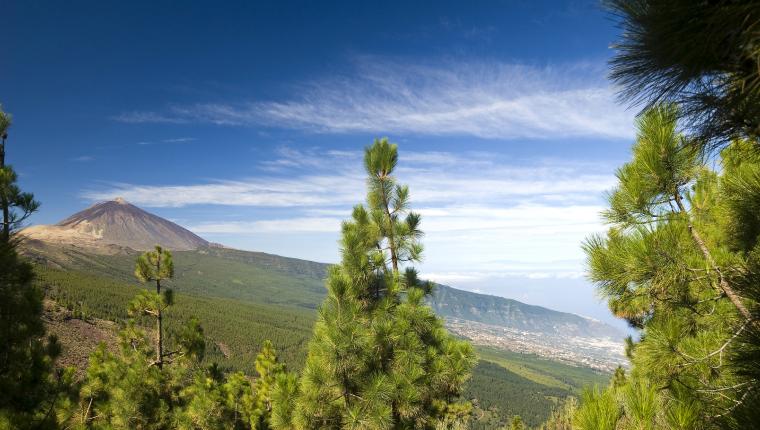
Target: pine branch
[723, 284]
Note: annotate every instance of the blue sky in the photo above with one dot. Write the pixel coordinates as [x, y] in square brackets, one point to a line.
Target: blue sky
[245, 123]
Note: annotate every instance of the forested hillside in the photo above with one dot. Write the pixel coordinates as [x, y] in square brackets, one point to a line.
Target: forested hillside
[266, 278]
[235, 331]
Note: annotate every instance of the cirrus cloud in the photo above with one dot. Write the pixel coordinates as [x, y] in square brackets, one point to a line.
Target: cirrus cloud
[490, 100]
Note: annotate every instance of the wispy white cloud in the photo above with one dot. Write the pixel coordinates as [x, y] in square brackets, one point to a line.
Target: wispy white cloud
[337, 179]
[483, 99]
[163, 141]
[280, 226]
[486, 218]
[83, 158]
[139, 117]
[179, 140]
[257, 192]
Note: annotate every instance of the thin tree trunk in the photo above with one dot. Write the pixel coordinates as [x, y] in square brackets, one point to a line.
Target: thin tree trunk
[4, 200]
[391, 239]
[159, 328]
[723, 284]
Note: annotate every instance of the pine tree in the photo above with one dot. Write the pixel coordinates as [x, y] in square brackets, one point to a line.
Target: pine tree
[214, 401]
[154, 266]
[16, 205]
[29, 390]
[561, 418]
[284, 397]
[517, 423]
[125, 390]
[599, 410]
[268, 369]
[136, 387]
[740, 224]
[29, 387]
[678, 263]
[380, 358]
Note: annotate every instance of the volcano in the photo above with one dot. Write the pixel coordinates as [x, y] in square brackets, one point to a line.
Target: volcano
[117, 222]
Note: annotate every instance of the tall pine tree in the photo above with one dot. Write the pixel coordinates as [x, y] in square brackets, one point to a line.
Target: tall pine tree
[380, 358]
[154, 266]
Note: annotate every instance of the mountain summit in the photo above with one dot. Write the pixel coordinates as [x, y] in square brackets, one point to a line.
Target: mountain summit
[117, 222]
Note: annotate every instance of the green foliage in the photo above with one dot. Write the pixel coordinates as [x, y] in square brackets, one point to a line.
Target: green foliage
[17, 205]
[154, 265]
[705, 56]
[268, 370]
[125, 390]
[679, 263]
[562, 417]
[5, 123]
[517, 423]
[284, 397]
[214, 401]
[641, 404]
[388, 203]
[599, 410]
[131, 390]
[29, 389]
[380, 358]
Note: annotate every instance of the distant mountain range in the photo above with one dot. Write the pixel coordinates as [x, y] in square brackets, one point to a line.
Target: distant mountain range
[105, 238]
[498, 311]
